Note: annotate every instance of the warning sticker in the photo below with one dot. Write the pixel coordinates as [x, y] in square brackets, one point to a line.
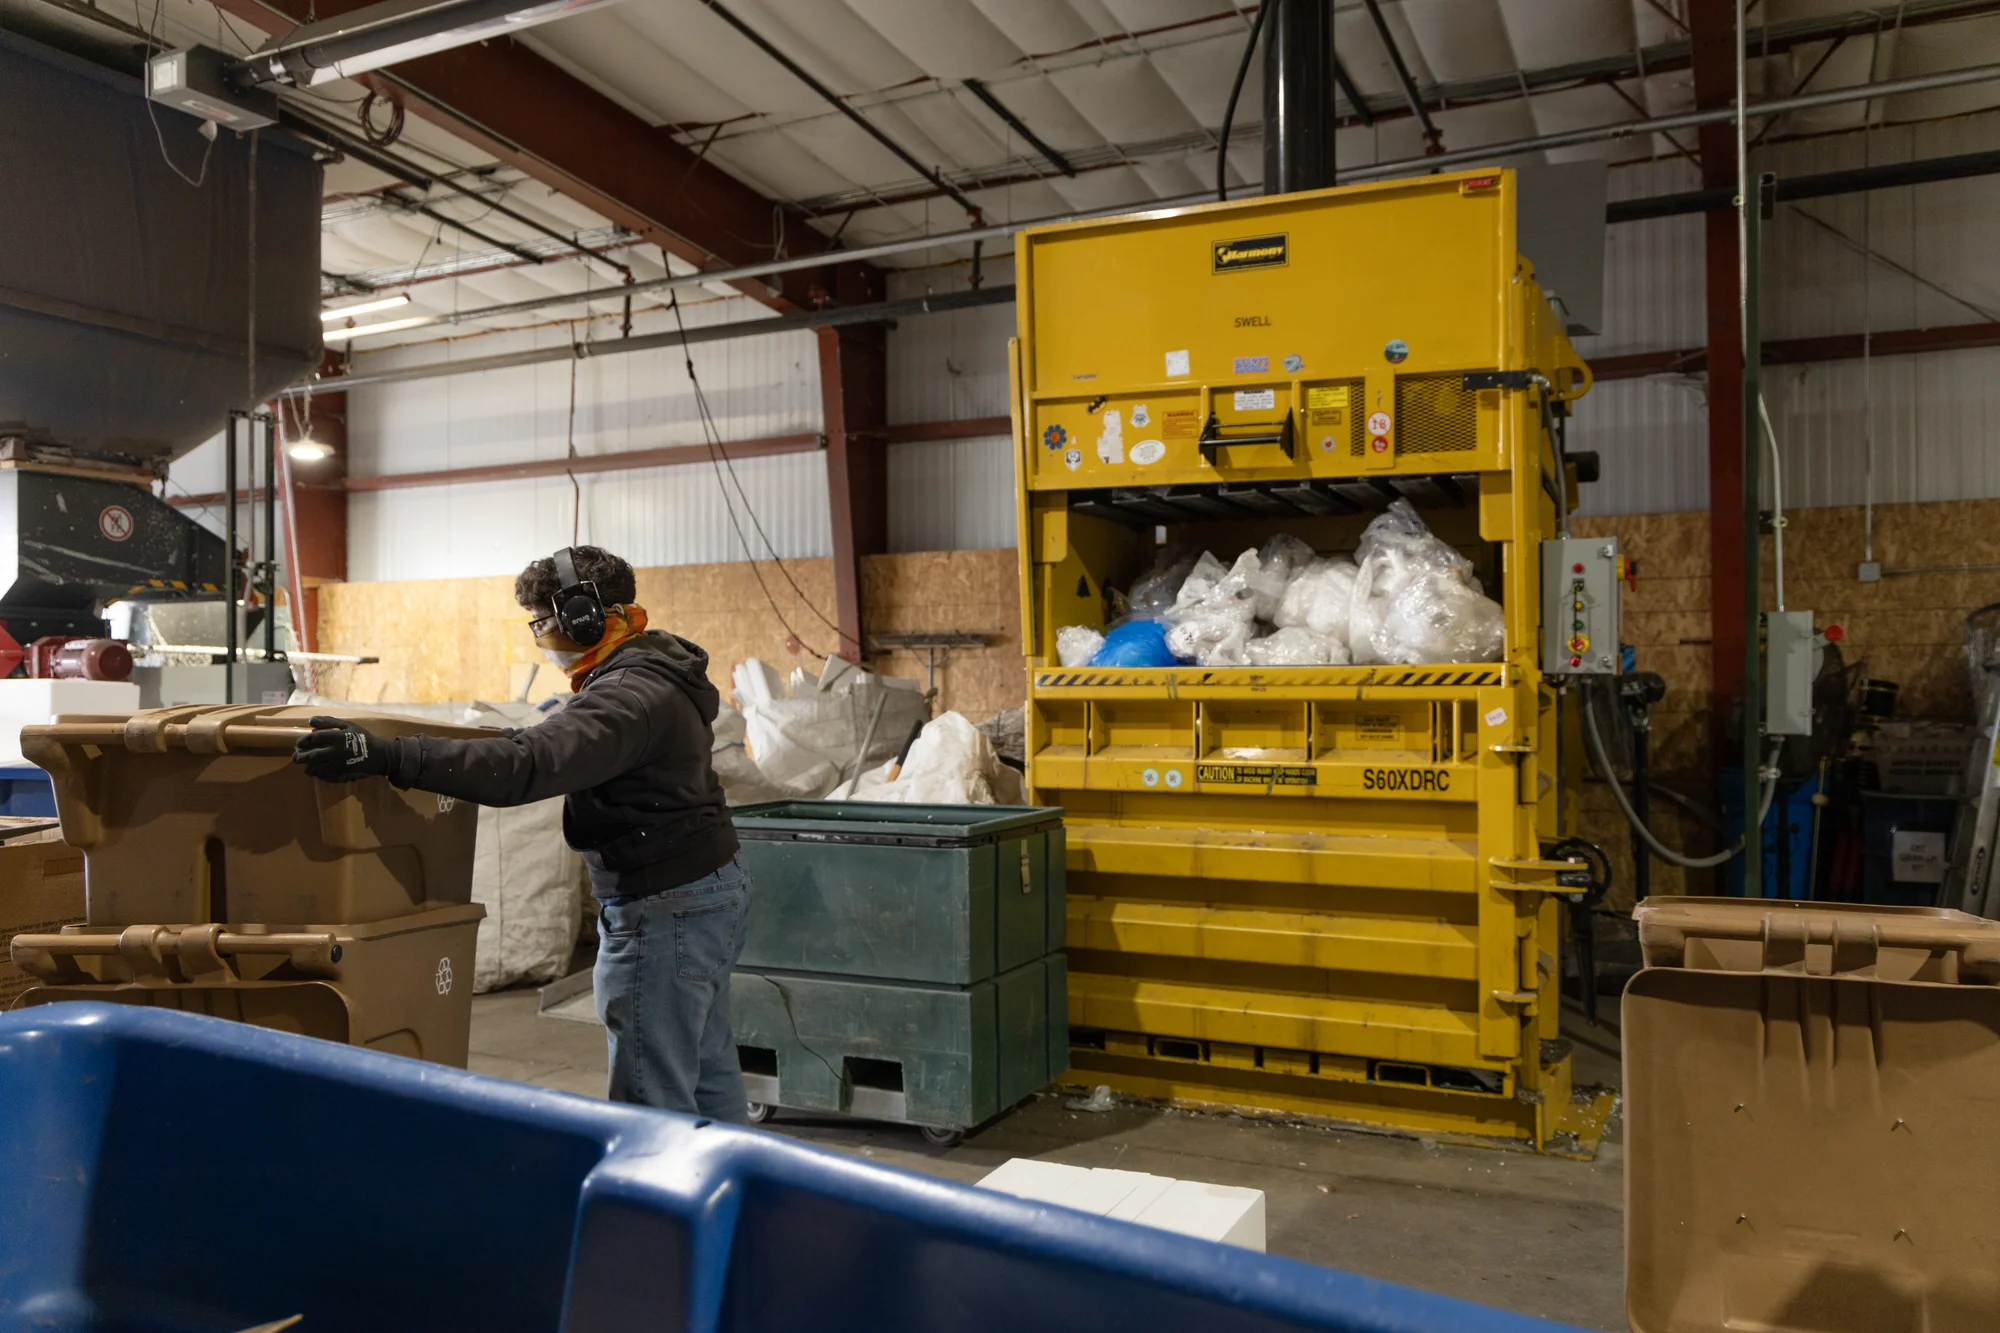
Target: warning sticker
[1384, 729]
[1258, 775]
[1328, 395]
[1183, 425]
[1256, 400]
[1327, 416]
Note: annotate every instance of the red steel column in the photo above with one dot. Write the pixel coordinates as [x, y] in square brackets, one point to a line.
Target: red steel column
[1712, 24]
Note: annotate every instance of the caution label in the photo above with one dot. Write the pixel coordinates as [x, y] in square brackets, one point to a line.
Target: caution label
[1328, 395]
[1181, 425]
[1258, 775]
[1327, 416]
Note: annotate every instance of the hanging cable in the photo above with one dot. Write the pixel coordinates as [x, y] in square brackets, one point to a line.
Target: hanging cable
[391, 131]
[1777, 502]
[1601, 761]
[718, 457]
[1236, 91]
[207, 131]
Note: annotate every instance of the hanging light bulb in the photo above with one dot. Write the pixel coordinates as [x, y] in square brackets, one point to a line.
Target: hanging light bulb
[308, 451]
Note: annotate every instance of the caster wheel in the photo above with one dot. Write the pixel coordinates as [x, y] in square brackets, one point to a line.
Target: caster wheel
[943, 1138]
[759, 1112]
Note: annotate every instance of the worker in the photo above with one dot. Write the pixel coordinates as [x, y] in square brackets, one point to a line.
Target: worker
[630, 755]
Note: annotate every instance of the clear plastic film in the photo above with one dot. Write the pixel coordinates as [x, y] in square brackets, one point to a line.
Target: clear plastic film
[1077, 644]
[1417, 600]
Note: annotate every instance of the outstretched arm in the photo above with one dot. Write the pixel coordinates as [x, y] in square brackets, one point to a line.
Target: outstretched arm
[599, 734]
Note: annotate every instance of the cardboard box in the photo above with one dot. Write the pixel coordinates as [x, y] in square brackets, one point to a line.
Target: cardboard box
[1922, 758]
[41, 890]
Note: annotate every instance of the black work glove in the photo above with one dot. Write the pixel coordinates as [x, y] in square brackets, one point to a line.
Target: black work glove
[336, 750]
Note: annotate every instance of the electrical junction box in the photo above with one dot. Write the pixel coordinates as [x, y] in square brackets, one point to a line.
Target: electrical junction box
[1792, 651]
[1581, 577]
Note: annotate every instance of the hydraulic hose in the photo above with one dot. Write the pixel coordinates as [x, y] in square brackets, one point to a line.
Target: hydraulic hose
[1602, 760]
[1236, 91]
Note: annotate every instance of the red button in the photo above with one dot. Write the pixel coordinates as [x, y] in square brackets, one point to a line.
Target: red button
[1576, 661]
[1577, 568]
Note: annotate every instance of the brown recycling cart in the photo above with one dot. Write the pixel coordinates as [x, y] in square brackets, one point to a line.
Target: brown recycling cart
[1813, 1102]
[220, 879]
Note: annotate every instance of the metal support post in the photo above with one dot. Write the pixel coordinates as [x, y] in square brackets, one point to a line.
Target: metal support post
[1753, 436]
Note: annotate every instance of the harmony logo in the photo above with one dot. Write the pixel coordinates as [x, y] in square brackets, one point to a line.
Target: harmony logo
[1252, 252]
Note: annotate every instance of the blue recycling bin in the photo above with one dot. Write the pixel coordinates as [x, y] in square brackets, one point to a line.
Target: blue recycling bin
[172, 1172]
[26, 790]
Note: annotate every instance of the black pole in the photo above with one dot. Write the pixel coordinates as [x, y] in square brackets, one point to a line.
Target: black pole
[270, 540]
[231, 566]
[1298, 96]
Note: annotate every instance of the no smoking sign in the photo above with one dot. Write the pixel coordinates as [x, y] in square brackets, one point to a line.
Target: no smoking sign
[115, 522]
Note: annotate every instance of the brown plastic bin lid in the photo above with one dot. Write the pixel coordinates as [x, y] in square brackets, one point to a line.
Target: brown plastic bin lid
[1813, 1119]
[223, 729]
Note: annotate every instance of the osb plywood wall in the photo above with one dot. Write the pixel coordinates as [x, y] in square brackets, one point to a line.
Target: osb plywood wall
[466, 639]
[1909, 628]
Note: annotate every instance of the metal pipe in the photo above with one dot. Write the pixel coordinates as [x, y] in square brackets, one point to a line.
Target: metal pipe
[1410, 93]
[230, 566]
[1019, 126]
[825, 317]
[270, 571]
[1298, 97]
[1749, 238]
[839, 104]
[338, 140]
[1686, 120]
[1405, 166]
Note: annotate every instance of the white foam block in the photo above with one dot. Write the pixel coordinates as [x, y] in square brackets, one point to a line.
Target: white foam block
[1227, 1214]
[25, 703]
[1026, 1178]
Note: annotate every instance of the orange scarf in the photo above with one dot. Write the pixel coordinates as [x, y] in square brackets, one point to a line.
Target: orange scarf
[621, 623]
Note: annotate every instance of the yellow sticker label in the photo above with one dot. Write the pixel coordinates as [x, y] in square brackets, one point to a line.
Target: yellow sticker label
[1181, 425]
[1328, 395]
[1327, 416]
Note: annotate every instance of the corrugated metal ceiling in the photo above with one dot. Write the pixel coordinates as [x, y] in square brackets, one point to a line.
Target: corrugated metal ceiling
[1131, 91]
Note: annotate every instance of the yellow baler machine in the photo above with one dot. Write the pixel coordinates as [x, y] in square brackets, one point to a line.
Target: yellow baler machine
[1303, 889]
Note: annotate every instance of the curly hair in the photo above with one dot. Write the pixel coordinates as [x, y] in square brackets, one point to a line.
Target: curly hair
[537, 585]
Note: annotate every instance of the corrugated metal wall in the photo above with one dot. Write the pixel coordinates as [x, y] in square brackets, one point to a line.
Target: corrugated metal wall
[755, 387]
[1932, 417]
[958, 494]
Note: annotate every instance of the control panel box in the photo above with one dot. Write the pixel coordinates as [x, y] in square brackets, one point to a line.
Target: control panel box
[1792, 654]
[1581, 577]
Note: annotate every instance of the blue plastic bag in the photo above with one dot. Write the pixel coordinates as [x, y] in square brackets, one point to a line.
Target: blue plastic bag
[1136, 643]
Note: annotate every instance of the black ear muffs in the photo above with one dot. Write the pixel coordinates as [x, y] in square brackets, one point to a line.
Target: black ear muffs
[579, 610]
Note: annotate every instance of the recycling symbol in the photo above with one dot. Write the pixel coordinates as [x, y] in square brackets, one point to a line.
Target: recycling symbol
[444, 976]
[1055, 437]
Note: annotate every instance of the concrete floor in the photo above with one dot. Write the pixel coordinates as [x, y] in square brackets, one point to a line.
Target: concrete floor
[1538, 1235]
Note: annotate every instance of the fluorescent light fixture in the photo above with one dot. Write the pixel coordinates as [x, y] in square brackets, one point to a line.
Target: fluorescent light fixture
[308, 451]
[391, 32]
[367, 307]
[364, 330]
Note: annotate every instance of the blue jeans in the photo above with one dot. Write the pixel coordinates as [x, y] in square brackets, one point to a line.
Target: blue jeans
[662, 990]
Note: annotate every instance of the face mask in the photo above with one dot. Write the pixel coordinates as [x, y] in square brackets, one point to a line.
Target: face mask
[564, 661]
